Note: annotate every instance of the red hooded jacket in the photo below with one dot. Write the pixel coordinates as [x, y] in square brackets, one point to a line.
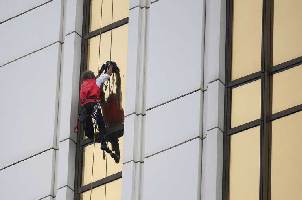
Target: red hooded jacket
[89, 92]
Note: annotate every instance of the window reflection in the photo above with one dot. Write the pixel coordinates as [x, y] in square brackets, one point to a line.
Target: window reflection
[286, 177]
[246, 56]
[286, 89]
[103, 164]
[245, 165]
[246, 103]
[96, 163]
[86, 195]
[287, 30]
[109, 191]
[120, 11]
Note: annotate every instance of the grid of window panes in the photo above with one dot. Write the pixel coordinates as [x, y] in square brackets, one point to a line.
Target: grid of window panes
[105, 37]
[263, 100]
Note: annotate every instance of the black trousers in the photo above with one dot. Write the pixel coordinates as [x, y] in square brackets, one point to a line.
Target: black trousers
[93, 113]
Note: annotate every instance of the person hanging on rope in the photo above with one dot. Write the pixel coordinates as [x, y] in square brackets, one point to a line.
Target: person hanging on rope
[89, 109]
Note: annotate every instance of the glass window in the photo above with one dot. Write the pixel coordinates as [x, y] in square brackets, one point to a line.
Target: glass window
[246, 53]
[245, 165]
[93, 58]
[287, 89]
[86, 195]
[286, 176]
[109, 191]
[97, 165]
[99, 193]
[98, 51]
[119, 54]
[113, 190]
[287, 30]
[246, 103]
[120, 11]
[93, 156]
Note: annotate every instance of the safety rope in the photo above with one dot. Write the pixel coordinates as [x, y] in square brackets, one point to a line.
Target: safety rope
[94, 135]
[109, 84]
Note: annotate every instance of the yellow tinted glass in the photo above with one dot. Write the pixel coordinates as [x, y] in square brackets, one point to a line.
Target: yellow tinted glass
[114, 190]
[93, 58]
[93, 157]
[98, 20]
[112, 166]
[119, 54]
[247, 31]
[287, 30]
[99, 193]
[286, 176]
[287, 89]
[86, 195]
[246, 103]
[245, 165]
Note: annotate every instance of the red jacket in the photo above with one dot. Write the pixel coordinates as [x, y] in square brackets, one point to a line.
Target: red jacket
[89, 92]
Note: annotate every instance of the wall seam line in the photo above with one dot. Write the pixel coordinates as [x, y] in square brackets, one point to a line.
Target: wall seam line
[20, 14]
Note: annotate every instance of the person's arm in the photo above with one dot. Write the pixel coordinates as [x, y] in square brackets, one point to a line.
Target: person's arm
[103, 77]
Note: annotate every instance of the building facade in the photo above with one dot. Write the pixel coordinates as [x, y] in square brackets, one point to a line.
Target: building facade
[209, 90]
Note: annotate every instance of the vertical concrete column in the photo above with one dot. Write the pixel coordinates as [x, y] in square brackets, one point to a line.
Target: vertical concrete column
[135, 100]
[68, 102]
[214, 84]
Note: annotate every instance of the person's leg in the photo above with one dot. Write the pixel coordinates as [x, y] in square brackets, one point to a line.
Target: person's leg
[88, 124]
[101, 127]
[115, 149]
[88, 127]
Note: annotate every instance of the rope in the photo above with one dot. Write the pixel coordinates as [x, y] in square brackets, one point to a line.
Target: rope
[93, 154]
[109, 88]
[111, 30]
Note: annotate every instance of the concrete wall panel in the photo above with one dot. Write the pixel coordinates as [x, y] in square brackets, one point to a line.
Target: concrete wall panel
[66, 164]
[70, 86]
[30, 179]
[175, 49]
[12, 8]
[172, 123]
[131, 75]
[173, 174]
[29, 88]
[30, 32]
[73, 16]
[64, 193]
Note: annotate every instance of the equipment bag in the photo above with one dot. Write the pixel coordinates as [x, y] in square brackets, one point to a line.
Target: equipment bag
[112, 110]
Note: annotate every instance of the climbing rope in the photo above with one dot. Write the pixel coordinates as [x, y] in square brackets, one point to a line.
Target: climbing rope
[95, 128]
[109, 84]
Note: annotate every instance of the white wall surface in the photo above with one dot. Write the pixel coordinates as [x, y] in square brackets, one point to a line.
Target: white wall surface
[175, 50]
[69, 88]
[29, 105]
[132, 65]
[173, 174]
[39, 75]
[28, 180]
[30, 32]
[12, 8]
[172, 123]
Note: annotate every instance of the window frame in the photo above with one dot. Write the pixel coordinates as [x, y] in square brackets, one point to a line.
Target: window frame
[266, 77]
[81, 143]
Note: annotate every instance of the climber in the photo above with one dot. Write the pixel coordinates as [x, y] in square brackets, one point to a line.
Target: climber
[89, 108]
